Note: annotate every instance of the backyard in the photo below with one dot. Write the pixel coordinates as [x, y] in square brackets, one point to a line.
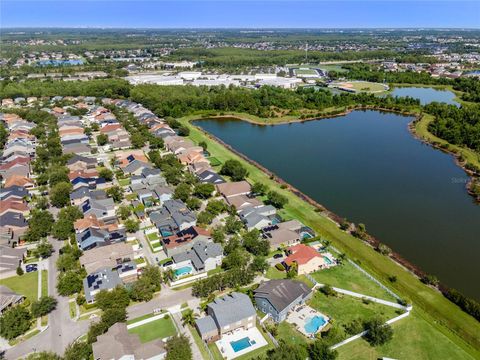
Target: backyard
[158, 329]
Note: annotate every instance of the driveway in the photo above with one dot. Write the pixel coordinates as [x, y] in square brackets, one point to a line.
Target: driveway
[61, 329]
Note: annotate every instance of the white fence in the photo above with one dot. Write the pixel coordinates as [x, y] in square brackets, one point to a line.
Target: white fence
[188, 279]
[148, 320]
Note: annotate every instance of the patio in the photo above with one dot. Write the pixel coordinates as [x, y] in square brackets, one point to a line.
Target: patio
[303, 316]
[244, 340]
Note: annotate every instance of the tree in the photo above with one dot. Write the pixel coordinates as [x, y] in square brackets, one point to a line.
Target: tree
[234, 169]
[131, 225]
[62, 229]
[102, 139]
[42, 203]
[276, 199]
[327, 290]
[318, 350]
[14, 322]
[78, 350]
[182, 192]
[19, 270]
[259, 189]
[44, 249]
[60, 194]
[259, 264]
[203, 144]
[204, 190]
[232, 225]
[288, 352]
[137, 140]
[117, 297]
[216, 207]
[238, 258]
[116, 193]
[57, 174]
[430, 280]
[183, 131]
[255, 245]
[384, 249]
[43, 306]
[40, 225]
[113, 315]
[218, 235]
[178, 348]
[69, 283]
[124, 212]
[378, 333]
[188, 317]
[106, 173]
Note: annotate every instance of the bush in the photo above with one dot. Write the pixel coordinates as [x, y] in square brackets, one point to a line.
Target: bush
[234, 169]
[43, 306]
[20, 271]
[327, 290]
[430, 280]
[276, 199]
[14, 322]
[378, 333]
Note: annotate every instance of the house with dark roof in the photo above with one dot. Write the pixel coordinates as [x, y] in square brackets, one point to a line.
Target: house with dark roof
[278, 297]
[103, 209]
[210, 176]
[92, 237]
[226, 314]
[203, 256]
[13, 192]
[184, 240]
[173, 216]
[9, 298]
[105, 279]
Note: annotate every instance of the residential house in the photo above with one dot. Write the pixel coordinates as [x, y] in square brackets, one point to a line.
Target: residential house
[232, 189]
[118, 344]
[82, 193]
[13, 192]
[203, 256]
[10, 259]
[136, 167]
[210, 176]
[306, 259]
[184, 240]
[225, 315]
[9, 298]
[79, 162]
[103, 209]
[257, 217]
[173, 216]
[278, 237]
[278, 297]
[92, 237]
[106, 256]
[14, 221]
[104, 279]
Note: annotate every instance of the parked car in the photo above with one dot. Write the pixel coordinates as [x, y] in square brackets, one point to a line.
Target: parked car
[277, 256]
[31, 267]
[168, 263]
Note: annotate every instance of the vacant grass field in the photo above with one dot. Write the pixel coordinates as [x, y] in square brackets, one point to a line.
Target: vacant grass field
[158, 329]
[347, 277]
[305, 72]
[443, 317]
[26, 285]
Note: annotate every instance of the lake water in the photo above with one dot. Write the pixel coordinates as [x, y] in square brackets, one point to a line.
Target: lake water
[426, 95]
[367, 167]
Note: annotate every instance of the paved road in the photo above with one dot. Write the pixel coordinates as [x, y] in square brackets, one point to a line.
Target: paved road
[166, 299]
[61, 329]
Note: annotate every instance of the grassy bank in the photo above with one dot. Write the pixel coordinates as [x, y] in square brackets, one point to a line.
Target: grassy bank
[444, 318]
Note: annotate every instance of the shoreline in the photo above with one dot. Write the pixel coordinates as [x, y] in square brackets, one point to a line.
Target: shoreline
[473, 176]
[335, 218]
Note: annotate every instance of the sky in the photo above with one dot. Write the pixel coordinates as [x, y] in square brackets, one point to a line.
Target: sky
[240, 14]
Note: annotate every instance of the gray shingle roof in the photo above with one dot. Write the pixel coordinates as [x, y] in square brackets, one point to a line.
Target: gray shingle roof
[281, 293]
[231, 308]
[206, 324]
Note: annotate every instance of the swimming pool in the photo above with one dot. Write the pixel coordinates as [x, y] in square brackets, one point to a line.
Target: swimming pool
[185, 270]
[313, 324]
[328, 260]
[241, 344]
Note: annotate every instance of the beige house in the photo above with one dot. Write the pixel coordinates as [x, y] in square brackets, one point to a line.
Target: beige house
[106, 256]
[306, 259]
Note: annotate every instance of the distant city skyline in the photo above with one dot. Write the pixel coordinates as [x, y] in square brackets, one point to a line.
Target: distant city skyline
[240, 14]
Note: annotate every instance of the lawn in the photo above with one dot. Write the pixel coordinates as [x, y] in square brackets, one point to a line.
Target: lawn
[363, 86]
[289, 334]
[153, 236]
[124, 182]
[200, 343]
[140, 318]
[443, 317]
[214, 161]
[413, 338]
[72, 309]
[305, 72]
[44, 283]
[343, 308]
[26, 285]
[274, 273]
[347, 277]
[158, 329]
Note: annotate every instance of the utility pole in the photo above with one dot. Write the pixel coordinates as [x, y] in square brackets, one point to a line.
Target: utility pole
[306, 52]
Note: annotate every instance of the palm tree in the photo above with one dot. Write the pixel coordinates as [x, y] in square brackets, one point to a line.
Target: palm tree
[189, 317]
[341, 258]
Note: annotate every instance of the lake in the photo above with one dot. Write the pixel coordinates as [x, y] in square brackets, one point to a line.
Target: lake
[426, 95]
[367, 167]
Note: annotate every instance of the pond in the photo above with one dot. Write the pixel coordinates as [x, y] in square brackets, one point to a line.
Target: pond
[367, 167]
[426, 95]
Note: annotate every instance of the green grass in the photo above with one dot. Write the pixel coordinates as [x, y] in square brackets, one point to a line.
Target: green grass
[289, 334]
[363, 86]
[444, 317]
[347, 277]
[26, 285]
[158, 329]
[153, 236]
[44, 283]
[199, 342]
[140, 318]
[72, 309]
[214, 161]
[124, 182]
[413, 338]
[305, 72]
[343, 308]
[273, 273]
[214, 271]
